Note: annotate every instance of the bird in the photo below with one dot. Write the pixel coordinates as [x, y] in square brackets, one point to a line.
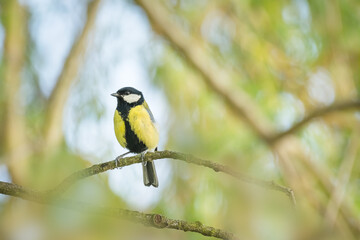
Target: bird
[135, 129]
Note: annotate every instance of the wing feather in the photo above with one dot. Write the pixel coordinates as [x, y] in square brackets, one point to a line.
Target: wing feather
[149, 111]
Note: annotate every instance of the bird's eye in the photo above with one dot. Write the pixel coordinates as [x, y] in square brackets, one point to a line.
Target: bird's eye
[127, 92]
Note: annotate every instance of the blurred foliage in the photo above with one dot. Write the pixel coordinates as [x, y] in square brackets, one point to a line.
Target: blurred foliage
[291, 57]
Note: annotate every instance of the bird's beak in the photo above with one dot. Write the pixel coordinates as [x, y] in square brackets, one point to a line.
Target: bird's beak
[115, 95]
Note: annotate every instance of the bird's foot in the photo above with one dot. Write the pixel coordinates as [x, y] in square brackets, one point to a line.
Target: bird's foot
[117, 159]
[142, 156]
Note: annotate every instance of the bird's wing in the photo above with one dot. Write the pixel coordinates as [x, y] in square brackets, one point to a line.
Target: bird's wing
[141, 123]
[119, 126]
[149, 111]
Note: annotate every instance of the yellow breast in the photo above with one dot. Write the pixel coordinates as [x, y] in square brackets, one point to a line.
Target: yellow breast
[142, 125]
[119, 126]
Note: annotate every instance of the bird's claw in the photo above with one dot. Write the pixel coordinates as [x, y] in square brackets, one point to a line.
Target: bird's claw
[142, 155]
[117, 162]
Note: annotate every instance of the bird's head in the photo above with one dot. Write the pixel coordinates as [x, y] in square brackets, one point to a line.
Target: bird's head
[129, 96]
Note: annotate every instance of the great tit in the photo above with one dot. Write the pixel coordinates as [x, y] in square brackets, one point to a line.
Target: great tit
[135, 128]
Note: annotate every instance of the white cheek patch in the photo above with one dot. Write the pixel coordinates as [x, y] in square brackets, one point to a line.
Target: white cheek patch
[131, 98]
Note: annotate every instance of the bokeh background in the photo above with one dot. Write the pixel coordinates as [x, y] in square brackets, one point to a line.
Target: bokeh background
[221, 77]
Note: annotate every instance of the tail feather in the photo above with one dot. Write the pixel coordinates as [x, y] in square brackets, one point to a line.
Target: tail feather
[149, 175]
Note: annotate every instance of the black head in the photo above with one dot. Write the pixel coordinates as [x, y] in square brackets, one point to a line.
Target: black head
[129, 96]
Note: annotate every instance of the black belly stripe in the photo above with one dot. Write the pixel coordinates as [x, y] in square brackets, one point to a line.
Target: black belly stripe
[132, 141]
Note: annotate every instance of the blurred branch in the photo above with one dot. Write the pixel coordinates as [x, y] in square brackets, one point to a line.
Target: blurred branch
[216, 77]
[345, 170]
[319, 173]
[317, 113]
[58, 97]
[305, 182]
[16, 145]
[151, 220]
[151, 156]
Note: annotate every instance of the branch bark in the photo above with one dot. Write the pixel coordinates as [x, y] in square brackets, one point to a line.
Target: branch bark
[151, 220]
[57, 101]
[152, 156]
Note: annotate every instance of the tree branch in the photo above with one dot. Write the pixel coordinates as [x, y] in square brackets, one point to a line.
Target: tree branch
[151, 156]
[151, 220]
[340, 106]
[57, 101]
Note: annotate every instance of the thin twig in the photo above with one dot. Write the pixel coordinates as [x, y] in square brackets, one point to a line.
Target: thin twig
[340, 106]
[151, 220]
[151, 156]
